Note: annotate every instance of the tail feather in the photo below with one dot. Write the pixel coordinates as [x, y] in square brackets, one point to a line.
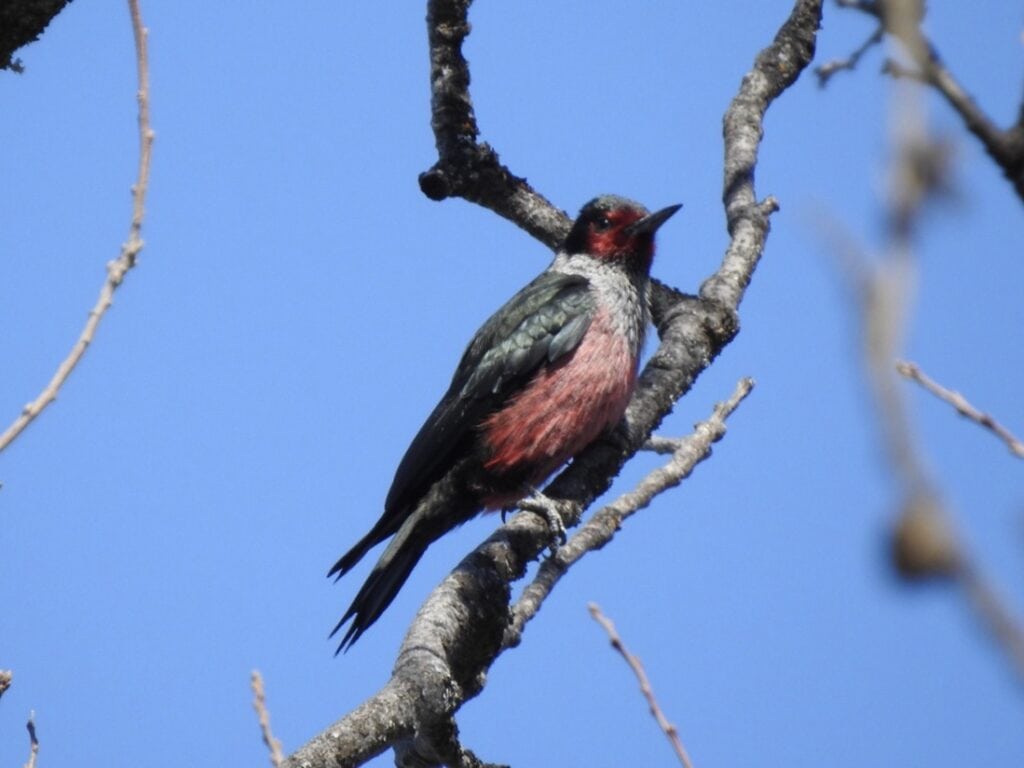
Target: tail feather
[347, 561]
[386, 578]
[419, 529]
[378, 592]
[389, 522]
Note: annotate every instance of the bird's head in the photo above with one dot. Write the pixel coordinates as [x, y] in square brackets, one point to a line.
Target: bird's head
[617, 230]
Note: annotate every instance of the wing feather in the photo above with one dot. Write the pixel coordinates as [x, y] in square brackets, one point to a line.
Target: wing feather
[543, 322]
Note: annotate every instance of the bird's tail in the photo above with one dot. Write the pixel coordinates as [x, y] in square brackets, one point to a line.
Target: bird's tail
[347, 561]
[384, 581]
[419, 530]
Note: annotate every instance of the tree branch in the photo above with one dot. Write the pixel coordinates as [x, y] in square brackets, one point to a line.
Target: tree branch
[458, 632]
[119, 267]
[259, 703]
[925, 543]
[829, 69]
[913, 372]
[645, 685]
[1005, 146]
[465, 167]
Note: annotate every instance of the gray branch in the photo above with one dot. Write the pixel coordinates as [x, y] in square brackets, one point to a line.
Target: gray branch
[458, 632]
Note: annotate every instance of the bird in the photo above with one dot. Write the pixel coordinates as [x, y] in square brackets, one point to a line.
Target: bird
[544, 377]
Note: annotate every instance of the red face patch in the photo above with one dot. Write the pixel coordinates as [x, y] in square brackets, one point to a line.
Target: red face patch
[608, 238]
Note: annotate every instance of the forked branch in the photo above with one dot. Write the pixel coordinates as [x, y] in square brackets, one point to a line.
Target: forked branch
[460, 630]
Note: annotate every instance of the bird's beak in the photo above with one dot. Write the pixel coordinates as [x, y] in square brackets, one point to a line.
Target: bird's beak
[649, 224]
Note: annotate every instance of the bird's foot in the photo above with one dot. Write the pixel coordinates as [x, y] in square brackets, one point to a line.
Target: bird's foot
[547, 508]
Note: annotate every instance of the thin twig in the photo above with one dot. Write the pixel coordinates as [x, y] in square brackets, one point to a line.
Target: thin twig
[913, 372]
[662, 445]
[645, 684]
[119, 267]
[826, 71]
[1005, 146]
[33, 741]
[259, 703]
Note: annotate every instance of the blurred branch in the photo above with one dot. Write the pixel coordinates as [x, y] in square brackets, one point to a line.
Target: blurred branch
[993, 611]
[962, 406]
[33, 741]
[826, 71]
[6, 678]
[22, 22]
[645, 685]
[459, 631]
[605, 523]
[259, 703]
[925, 544]
[1004, 146]
[119, 267]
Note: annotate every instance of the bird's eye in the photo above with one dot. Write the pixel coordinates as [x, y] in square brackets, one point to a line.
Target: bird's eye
[602, 222]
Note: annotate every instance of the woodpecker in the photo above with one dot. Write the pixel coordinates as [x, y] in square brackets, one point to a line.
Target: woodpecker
[541, 380]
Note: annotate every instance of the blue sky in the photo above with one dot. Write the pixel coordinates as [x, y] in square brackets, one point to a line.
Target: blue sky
[299, 307]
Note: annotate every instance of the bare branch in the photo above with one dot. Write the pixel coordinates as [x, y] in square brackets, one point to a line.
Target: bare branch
[1006, 147]
[384, 719]
[913, 372]
[438, 745]
[119, 267]
[993, 611]
[259, 703]
[33, 741]
[459, 631]
[925, 544]
[605, 523]
[663, 445]
[826, 71]
[466, 167]
[645, 684]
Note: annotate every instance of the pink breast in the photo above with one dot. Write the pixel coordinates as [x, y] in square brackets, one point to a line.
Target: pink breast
[564, 407]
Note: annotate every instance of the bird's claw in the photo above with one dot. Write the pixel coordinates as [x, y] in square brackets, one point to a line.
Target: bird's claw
[547, 508]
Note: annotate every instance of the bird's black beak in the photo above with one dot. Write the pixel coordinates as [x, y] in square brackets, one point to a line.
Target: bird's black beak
[649, 224]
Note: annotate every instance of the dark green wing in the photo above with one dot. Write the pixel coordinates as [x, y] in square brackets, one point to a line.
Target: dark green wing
[543, 322]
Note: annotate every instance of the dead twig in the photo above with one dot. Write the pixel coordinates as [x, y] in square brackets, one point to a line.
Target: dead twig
[913, 372]
[119, 267]
[645, 684]
[826, 71]
[259, 703]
